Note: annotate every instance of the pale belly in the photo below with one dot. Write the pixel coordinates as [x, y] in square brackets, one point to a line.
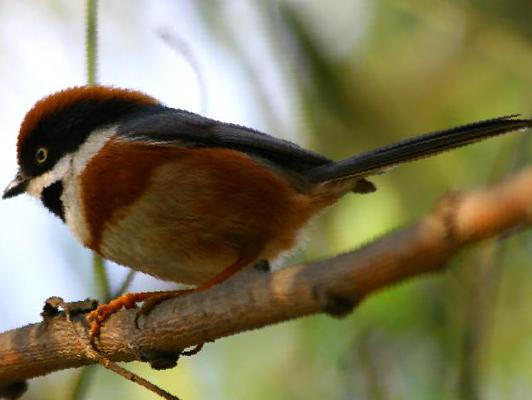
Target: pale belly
[162, 249]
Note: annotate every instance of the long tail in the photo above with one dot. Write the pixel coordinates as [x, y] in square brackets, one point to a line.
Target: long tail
[375, 161]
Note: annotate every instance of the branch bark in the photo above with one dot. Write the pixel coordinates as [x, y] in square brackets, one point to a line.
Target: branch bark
[254, 299]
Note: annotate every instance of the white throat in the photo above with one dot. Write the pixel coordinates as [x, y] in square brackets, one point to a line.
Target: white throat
[75, 216]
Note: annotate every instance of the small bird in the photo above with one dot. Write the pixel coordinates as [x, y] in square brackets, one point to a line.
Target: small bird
[183, 197]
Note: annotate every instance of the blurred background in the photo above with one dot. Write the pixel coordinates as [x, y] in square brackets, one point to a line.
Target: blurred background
[338, 77]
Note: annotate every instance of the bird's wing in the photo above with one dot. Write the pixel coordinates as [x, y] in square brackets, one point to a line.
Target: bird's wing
[188, 129]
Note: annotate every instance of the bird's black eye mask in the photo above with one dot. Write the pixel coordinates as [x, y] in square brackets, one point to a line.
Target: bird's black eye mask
[37, 158]
[64, 131]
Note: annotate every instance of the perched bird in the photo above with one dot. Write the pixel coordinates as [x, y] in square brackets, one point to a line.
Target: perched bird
[187, 198]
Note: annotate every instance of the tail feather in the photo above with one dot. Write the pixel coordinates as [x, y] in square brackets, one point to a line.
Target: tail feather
[375, 161]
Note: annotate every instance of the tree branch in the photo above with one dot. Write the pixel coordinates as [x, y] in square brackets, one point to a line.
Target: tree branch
[255, 299]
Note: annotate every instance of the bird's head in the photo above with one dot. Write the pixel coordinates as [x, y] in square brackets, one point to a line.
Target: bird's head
[56, 128]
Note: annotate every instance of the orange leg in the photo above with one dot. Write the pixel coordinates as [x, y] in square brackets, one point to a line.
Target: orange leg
[127, 300]
[151, 299]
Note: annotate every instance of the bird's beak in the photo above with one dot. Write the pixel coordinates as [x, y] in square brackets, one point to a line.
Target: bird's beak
[17, 186]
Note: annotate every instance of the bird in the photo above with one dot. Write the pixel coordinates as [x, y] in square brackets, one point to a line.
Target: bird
[186, 198]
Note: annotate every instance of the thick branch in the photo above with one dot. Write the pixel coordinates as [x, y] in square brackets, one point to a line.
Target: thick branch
[255, 299]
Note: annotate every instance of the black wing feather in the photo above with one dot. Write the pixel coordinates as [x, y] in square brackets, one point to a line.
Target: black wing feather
[180, 126]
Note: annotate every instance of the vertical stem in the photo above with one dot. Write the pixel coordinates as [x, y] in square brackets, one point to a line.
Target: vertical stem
[100, 275]
[91, 50]
[102, 280]
[91, 41]
[91, 47]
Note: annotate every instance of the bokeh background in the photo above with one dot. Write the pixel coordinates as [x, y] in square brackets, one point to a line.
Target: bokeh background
[335, 76]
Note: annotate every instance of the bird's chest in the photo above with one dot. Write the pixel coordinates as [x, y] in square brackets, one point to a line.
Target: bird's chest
[124, 205]
[153, 233]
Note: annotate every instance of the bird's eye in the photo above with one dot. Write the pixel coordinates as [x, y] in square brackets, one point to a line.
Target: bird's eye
[41, 155]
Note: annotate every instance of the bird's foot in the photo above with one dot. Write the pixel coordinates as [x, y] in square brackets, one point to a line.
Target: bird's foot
[97, 317]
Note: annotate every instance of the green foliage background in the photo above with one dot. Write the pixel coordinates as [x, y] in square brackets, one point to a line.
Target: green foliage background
[412, 66]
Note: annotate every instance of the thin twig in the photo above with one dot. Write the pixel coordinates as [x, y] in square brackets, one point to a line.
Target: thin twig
[130, 376]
